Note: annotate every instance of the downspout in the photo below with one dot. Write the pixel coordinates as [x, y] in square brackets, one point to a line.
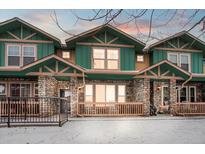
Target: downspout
[78, 89]
[187, 80]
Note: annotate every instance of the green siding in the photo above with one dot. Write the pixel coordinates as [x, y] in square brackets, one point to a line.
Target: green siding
[197, 62]
[2, 54]
[43, 50]
[127, 59]
[158, 56]
[83, 56]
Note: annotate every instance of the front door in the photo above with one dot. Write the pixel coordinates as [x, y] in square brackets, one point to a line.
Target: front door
[165, 100]
[165, 96]
[65, 107]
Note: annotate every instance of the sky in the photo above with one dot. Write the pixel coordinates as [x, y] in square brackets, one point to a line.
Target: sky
[68, 21]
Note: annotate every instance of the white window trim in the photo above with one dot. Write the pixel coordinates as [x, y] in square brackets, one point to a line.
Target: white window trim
[179, 58]
[190, 93]
[66, 52]
[5, 89]
[20, 87]
[21, 53]
[89, 95]
[121, 95]
[143, 58]
[116, 93]
[105, 59]
[189, 60]
[34, 89]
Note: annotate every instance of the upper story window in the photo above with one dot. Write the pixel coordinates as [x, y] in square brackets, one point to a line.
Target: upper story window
[19, 55]
[181, 59]
[140, 58]
[66, 54]
[106, 58]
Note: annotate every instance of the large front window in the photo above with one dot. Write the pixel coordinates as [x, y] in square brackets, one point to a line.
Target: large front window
[20, 90]
[106, 58]
[19, 55]
[186, 94]
[101, 93]
[180, 59]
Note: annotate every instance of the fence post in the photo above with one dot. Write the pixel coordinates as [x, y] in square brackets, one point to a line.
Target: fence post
[25, 109]
[59, 111]
[9, 114]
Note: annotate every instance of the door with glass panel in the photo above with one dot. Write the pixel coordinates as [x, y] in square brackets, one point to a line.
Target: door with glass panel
[165, 96]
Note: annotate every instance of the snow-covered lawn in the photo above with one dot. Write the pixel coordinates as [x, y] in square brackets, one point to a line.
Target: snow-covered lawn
[112, 130]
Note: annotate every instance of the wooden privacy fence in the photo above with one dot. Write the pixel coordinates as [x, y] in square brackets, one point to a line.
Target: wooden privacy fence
[110, 109]
[189, 108]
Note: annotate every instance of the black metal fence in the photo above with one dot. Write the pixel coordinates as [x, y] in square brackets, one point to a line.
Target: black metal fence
[34, 111]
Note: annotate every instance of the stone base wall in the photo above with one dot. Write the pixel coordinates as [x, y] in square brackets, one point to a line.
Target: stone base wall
[141, 91]
[47, 88]
[157, 92]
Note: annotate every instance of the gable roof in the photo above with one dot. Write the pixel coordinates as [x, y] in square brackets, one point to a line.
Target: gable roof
[16, 19]
[182, 33]
[162, 63]
[49, 58]
[83, 34]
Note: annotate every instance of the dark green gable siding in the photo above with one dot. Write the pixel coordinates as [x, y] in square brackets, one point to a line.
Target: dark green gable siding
[127, 59]
[83, 56]
[45, 49]
[159, 55]
[196, 59]
[2, 54]
[197, 62]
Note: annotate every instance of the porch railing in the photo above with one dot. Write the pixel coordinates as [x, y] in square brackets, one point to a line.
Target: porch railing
[110, 109]
[33, 110]
[197, 108]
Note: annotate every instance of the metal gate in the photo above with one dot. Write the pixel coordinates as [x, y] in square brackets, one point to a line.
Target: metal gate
[34, 111]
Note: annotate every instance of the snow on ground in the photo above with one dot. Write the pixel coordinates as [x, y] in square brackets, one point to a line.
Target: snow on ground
[112, 130]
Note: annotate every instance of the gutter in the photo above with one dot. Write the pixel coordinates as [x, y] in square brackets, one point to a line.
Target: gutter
[187, 80]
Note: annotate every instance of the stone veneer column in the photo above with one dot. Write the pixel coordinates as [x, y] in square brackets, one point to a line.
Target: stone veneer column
[47, 87]
[157, 94]
[74, 96]
[172, 90]
[142, 93]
